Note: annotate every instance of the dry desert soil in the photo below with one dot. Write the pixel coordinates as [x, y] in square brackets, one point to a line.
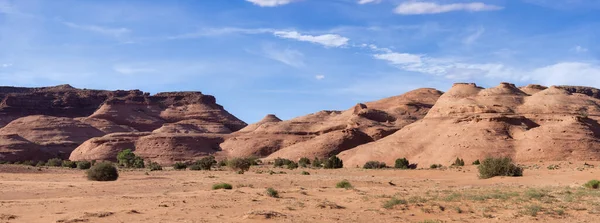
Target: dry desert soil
[32, 194]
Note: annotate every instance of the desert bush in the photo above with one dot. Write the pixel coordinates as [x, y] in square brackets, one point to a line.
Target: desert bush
[219, 186]
[592, 184]
[402, 164]
[254, 161]
[280, 162]
[40, 163]
[239, 164]
[222, 163]
[54, 162]
[435, 166]
[316, 163]
[374, 165]
[476, 162]
[205, 163]
[28, 163]
[333, 163]
[492, 167]
[272, 192]
[305, 173]
[84, 165]
[344, 184]
[194, 167]
[127, 158]
[179, 166]
[458, 162]
[69, 164]
[393, 202]
[292, 165]
[154, 166]
[103, 172]
[304, 162]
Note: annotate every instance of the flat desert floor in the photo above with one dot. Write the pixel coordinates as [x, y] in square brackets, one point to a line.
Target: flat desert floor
[32, 194]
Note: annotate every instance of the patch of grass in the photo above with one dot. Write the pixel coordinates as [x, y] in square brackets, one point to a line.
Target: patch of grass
[344, 184]
[536, 194]
[458, 210]
[103, 172]
[492, 167]
[592, 184]
[453, 197]
[69, 164]
[272, 192]
[219, 186]
[393, 202]
[54, 162]
[417, 200]
[532, 210]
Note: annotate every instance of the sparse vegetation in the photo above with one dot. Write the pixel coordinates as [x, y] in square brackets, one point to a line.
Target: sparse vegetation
[435, 166]
[592, 184]
[344, 184]
[40, 163]
[103, 172]
[476, 162]
[179, 166]
[458, 162]
[292, 165]
[128, 159]
[316, 163]
[272, 192]
[374, 165]
[304, 162]
[492, 167]
[532, 210]
[219, 186]
[239, 164]
[154, 166]
[28, 163]
[401, 164]
[195, 167]
[69, 164]
[84, 165]
[305, 173]
[54, 162]
[280, 162]
[333, 163]
[393, 202]
[222, 163]
[206, 163]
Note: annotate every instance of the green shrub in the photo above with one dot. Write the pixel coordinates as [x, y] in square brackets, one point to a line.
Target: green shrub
[40, 163]
[69, 164]
[28, 163]
[402, 164]
[194, 167]
[316, 163]
[333, 163]
[292, 165]
[222, 163]
[304, 162]
[476, 162]
[179, 166]
[280, 162]
[219, 186]
[127, 158]
[54, 162]
[205, 163]
[254, 161]
[435, 166]
[393, 202]
[103, 172]
[492, 167]
[154, 166]
[344, 184]
[374, 165]
[3, 162]
[305, 173]
[84, 165]
[272, 192]
[592, 184]
[239, 164]
[458, 162]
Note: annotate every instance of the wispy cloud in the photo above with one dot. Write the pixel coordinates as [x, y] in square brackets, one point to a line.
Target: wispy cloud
[116, 32]
[579, 49]
[362, 2]
[290, 57]
[474, 36]
[5, 65]
[271, 3]
[128, 69]
[417, 8]
[320, 77]
[328, 40]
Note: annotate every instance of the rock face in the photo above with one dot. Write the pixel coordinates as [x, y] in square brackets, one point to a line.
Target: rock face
[528, 124]
[57, 120]
[329, 132]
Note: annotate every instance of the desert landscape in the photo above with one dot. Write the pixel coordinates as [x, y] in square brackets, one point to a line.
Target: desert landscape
[550, 133]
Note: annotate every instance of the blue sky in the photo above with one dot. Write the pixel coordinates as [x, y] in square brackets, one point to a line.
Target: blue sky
[294, 57]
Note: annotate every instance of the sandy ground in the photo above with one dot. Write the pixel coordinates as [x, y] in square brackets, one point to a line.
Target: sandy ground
[31, 194]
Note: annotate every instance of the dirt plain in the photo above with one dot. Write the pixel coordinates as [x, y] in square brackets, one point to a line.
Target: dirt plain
[47, 194]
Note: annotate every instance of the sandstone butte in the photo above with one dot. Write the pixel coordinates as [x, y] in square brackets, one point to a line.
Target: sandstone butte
[427, 126]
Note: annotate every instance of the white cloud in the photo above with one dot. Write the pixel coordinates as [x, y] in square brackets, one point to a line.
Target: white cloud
[6, 65]
[328, 40]
[368, 1]
[290, 57]
[579, 49]
[417, 8]
[116, 32]
[399, 58]
[320, 77]
[567, 73]
[127, 69]
[271, 3]
[474, 37]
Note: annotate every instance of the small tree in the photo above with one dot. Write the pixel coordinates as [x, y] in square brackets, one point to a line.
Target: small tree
[458, 162]
[333, 163]
[206, 163]
[179, 166]
[280, 162]
[374, 165]
[316, 163]
[476, 162]
[304, 162]
[84, 165]
[54, 162]
[103, 172]
[292, 165]
[127, 158]
[154, 166]
[239, 164]
[401, 164]
[492, 167]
